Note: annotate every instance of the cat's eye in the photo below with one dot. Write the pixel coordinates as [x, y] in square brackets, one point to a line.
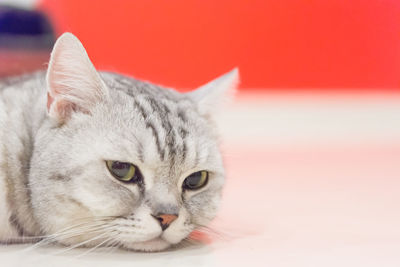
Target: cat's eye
[124, 171]
[196, 180]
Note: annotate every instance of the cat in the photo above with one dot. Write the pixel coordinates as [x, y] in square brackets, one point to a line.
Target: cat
[92, 158]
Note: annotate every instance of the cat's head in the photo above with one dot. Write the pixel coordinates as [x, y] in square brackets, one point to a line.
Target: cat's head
[122, 162]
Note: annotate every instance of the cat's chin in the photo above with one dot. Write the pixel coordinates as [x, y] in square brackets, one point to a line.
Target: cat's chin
[153, 245]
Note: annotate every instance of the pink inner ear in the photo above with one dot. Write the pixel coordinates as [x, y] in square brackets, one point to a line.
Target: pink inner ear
[50, 101]
[63, 109]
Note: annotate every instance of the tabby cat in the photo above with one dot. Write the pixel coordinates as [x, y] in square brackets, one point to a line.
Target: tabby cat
[92, 158]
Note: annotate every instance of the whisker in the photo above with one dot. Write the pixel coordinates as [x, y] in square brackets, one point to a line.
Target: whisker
[114, 245]
[97, 246]
[214, 233]
[80, 244]
[68, 232]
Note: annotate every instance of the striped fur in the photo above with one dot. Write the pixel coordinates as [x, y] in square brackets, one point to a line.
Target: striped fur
[53, 148]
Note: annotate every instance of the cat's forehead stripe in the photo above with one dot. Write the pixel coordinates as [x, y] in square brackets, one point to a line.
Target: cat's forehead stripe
[156, 137]
[162, 112]
[141, 109]
[158, 109]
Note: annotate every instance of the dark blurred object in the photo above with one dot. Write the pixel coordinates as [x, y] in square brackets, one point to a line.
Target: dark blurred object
[26, 38]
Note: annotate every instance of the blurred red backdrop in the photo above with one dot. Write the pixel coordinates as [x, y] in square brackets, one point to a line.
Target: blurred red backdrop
[275, 43]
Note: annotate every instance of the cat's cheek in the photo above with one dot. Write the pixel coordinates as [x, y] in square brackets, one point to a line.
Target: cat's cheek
[106, 197]
[203, 201]
[204, 208]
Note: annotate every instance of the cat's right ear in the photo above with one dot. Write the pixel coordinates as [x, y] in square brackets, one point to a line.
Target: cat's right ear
[213, 94]
[73, 84]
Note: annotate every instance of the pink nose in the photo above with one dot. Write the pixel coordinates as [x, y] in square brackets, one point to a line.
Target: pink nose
[165, 220]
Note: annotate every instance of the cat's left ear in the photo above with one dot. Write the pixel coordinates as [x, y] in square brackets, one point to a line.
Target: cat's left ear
[73, 84]
[214, 94]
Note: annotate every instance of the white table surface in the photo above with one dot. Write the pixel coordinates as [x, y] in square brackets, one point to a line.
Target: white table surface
[313, 180]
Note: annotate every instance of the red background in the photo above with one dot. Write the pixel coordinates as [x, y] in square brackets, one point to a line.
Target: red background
[275, 43]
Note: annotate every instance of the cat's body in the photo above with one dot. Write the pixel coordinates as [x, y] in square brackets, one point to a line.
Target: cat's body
[19, 120]
[58, 129]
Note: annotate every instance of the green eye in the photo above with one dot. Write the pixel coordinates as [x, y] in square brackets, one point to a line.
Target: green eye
[196, 180]
[124, 171]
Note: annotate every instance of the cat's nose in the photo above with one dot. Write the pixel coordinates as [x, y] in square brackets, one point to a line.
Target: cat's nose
[165, 219]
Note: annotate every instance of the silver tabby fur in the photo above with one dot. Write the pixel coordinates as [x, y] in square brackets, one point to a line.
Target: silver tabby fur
[54, 183]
